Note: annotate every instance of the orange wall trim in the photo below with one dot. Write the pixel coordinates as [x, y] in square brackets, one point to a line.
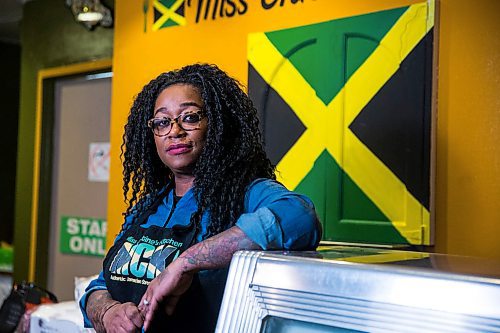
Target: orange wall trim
[468, 129]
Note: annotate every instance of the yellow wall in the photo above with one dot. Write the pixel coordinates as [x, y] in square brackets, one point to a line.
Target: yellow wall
[468, 133]
[467, 159]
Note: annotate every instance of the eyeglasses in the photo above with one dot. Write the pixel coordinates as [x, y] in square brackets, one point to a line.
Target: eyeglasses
[188, 121]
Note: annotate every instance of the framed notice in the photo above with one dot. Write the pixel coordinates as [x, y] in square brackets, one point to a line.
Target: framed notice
[99, 162]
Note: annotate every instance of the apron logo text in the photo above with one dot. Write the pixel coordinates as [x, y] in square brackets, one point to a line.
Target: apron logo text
[142, 260]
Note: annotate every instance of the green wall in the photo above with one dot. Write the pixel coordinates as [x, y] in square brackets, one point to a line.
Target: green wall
[50, 37]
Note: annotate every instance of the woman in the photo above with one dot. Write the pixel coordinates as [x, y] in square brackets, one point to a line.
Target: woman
[199, 188]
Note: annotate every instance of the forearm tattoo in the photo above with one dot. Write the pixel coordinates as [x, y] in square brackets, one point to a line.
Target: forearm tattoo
[217, 251]
[97, 304]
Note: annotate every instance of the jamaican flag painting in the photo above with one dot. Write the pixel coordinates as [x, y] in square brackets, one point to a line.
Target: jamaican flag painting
[346, 111]
[167, 13]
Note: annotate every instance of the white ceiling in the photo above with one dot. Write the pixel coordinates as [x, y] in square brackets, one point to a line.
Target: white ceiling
[11, 12]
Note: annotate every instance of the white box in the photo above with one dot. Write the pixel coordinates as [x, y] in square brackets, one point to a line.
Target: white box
[64, 317]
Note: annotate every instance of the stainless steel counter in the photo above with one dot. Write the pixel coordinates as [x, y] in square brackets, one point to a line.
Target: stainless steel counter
[354, 289]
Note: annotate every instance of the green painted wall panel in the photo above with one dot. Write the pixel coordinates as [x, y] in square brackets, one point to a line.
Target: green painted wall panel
[316, 50]
[341, 204]
[50, 37]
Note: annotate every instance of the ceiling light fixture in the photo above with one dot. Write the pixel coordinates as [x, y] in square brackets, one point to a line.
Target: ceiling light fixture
[90, 13]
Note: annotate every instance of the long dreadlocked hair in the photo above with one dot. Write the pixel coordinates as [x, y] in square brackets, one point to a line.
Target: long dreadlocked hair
[233, 155]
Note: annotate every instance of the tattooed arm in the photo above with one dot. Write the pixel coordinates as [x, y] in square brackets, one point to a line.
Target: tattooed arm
[108, 315]
[212, 253]
[217, 251]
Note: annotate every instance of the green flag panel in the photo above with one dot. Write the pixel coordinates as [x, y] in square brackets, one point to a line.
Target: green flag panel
[347, 214]
[318, 50]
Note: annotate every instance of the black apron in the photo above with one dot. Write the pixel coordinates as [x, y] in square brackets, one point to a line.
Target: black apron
[141, 254]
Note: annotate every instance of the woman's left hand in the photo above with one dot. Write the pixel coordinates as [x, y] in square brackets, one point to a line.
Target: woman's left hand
[166, 289]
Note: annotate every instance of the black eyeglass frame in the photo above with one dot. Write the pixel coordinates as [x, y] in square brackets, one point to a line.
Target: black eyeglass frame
[176, 121]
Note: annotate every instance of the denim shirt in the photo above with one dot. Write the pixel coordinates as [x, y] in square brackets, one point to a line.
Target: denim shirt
[273, 217]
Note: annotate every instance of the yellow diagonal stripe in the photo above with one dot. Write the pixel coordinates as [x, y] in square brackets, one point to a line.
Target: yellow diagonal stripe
[377, 181]
[386, 257]
[168, 13]
[297, 162]
[376, 70]
[431, 10]
[327, 128]
[285, 78]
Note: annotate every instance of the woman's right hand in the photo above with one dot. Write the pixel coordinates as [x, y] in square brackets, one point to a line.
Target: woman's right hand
[122, 318]
[110, 316]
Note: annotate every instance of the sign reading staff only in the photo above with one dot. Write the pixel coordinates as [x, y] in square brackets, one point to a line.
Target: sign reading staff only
[83, 235]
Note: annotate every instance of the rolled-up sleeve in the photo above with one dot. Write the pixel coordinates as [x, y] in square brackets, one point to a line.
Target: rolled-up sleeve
[276, 218]
[98, 284]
